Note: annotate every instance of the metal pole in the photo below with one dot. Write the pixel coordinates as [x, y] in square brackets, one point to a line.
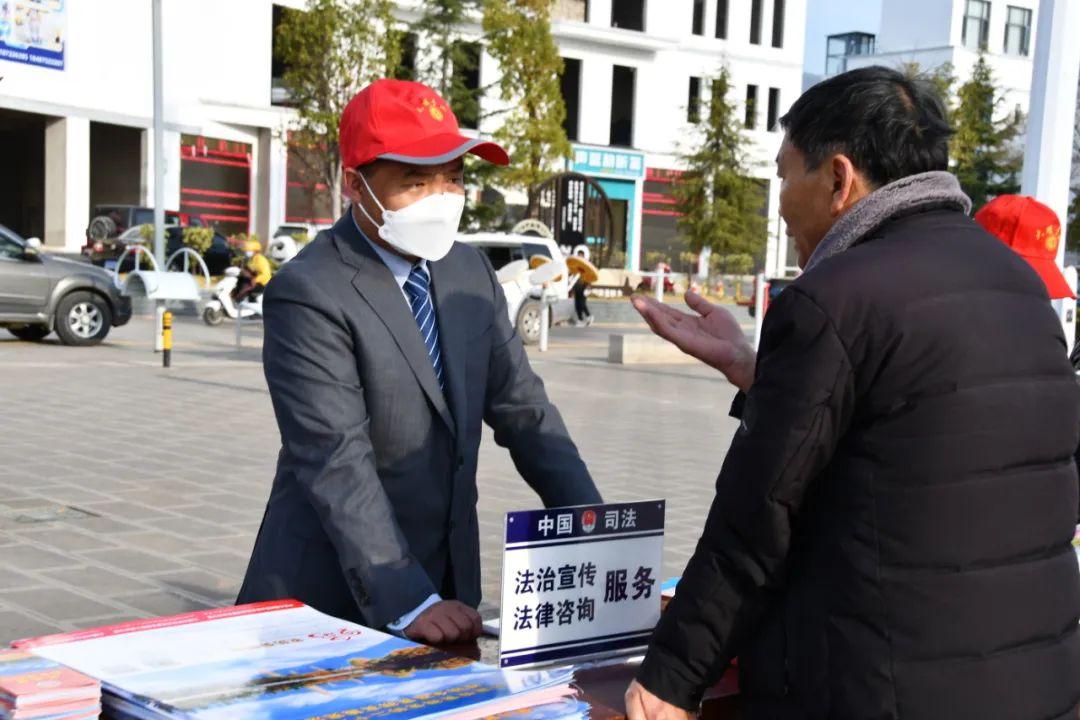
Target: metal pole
[159, 325]
[760, 287]
[159, 139]
[545, 320]
[660, 282]
[239, 322]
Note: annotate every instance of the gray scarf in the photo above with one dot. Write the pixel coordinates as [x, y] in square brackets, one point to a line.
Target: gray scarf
[916, 193]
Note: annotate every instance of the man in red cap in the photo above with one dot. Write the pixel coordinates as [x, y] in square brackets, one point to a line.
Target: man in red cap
[1032, 230]
[386, 346]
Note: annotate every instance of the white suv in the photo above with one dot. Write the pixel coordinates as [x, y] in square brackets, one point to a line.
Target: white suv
[525, 313]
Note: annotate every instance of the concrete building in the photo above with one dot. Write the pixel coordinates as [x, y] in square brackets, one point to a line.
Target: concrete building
[77, 135]
[935, 32]
[76, 108]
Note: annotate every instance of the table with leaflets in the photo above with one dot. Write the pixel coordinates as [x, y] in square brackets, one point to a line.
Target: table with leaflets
[602, 685]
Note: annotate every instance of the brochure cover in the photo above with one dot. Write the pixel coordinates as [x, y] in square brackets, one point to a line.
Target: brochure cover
[284, 660]
[28, 681]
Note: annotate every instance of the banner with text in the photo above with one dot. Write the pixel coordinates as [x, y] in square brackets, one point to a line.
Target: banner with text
[33, 32]
[580, 581]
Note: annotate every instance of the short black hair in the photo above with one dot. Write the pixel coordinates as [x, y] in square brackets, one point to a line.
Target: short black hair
[888, 124]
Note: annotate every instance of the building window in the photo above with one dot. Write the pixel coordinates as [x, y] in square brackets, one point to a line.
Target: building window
[279, 95]
[838, 48]
[467, 76]
[693, 102]
[721, 19]
[1018, 31]
[622, 106]
[778, 24]
[976, 30]
[406, 69]
[628, 14]
[570, 84]
[774, 110]
[755, 22]
[572, 10]
[699, 17]
[751, 107]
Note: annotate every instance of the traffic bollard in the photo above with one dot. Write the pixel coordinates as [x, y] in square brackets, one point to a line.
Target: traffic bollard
[166, 339]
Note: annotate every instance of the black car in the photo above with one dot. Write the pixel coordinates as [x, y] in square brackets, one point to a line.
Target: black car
[109, 222]
[218, 257]
[40, 293]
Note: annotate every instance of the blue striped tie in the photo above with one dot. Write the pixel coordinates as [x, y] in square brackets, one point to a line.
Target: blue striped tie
[418, 288]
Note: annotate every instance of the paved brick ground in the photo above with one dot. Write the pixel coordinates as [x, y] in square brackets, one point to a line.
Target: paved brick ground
[127, 490]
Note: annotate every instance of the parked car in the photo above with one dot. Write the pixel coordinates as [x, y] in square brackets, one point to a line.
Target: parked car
[40, 293]
[217, 258]
[308, 230]
[504, 248]
[109, 222]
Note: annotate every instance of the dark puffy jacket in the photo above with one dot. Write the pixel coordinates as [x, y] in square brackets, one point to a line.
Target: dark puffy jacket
[891, 532]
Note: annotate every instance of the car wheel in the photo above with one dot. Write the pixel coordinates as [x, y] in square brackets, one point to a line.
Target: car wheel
[83, 318]
[213, 315]
[528, 321]
[30, 333]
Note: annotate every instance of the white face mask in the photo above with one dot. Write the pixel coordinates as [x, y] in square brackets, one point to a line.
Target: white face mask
[424, 229]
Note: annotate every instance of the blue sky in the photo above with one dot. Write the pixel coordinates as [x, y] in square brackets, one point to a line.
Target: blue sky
[827, 17]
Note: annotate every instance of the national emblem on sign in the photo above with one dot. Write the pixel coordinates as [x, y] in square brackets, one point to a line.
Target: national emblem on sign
[588, 521]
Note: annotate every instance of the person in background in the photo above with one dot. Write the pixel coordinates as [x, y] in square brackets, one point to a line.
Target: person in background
[1033, 232]
[891, 535]
[581, 304]
[257, 271]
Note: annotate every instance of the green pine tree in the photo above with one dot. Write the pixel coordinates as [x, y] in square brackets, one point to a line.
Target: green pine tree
[448, 60]
[447, 64]
[941, 78]
[331, 51]
[720, 204]
[985, 156]
[518, 33]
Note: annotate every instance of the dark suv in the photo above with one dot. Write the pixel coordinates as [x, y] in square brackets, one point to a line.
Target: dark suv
[108, 222]
[40, 293]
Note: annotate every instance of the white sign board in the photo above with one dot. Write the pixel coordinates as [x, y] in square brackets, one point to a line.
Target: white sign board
[580, 582]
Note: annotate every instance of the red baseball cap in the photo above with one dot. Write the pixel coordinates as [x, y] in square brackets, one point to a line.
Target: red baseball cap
[1032, 230]
[406, 122]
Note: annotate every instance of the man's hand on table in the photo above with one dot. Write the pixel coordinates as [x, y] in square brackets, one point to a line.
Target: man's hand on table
[643, 705]
[447, 622]
[712, 336]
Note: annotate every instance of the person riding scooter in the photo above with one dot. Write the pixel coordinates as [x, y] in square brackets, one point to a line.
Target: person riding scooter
[256, 273]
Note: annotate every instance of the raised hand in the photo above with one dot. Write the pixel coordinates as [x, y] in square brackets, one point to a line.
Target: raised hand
[712, 335]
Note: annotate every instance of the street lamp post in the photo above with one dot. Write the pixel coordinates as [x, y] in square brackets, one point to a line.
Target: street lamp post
[159, 141]
[1048, 149]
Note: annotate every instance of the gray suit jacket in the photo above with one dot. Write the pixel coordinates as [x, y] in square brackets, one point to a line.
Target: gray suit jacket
[373, 507]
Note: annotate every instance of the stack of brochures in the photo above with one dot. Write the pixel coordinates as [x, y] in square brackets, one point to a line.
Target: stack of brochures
[37, 688]
[284, 660]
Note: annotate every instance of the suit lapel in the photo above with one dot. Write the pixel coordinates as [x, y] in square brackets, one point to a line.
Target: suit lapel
[376, 284]
[453, 327]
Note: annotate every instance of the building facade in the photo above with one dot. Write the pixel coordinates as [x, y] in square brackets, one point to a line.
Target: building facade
[934, 33]
[76, 109]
